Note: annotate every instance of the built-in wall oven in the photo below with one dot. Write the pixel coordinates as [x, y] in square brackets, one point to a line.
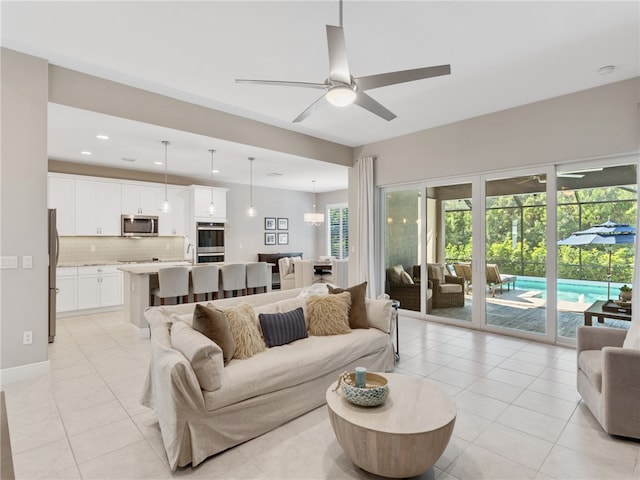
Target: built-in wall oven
[210, 242]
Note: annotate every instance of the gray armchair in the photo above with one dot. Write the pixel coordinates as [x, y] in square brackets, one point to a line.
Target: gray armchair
[609, 379]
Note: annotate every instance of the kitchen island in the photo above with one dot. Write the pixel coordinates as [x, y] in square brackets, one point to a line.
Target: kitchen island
[139, 280]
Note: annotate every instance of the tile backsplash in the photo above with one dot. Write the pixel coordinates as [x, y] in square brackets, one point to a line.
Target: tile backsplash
[107, 250]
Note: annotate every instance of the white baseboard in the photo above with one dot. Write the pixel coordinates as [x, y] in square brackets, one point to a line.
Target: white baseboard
[23, 372]
[141, 332]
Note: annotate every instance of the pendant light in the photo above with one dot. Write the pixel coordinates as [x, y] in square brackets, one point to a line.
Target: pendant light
[165, 204]
[251, 212]
[314, 219]
[211, 206]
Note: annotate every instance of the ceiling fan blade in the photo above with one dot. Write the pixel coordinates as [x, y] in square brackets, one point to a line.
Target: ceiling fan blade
[311, 109]
[368, 103]
[282, 83]
[391, 78]
[338, 62]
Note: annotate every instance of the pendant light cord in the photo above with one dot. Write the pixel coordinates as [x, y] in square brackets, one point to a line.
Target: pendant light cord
[166, 143]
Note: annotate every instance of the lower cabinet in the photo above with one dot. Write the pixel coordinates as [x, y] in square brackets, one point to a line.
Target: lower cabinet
[67, 285]
[99, 286]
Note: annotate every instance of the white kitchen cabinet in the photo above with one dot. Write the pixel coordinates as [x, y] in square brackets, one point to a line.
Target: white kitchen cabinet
[202, 200]
[99, 286]
[61, 196]
[141, 199]
[66, 283]
[97, 208]
[174, 222]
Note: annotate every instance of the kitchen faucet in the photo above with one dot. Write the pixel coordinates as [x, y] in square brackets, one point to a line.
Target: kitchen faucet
[193, 253]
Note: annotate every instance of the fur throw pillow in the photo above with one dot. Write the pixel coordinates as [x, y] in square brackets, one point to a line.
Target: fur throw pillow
[329, 314]
[244, 329]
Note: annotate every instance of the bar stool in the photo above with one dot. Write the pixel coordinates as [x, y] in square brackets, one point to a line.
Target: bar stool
[204, 279]
[234, 278]
[256, 276]
[174, 282]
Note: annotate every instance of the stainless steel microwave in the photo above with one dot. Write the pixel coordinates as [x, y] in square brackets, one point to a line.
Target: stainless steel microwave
[139, 226]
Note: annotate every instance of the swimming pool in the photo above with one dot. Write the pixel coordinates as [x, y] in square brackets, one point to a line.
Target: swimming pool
[571, 290]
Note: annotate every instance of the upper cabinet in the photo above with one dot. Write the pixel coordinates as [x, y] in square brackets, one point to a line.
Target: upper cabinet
[141, 200]
[97, 208]
[61, 195]
[174, 222]
[202, 200]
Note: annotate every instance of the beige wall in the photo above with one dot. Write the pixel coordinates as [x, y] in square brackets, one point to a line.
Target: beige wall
[597, 122]
[23, 208]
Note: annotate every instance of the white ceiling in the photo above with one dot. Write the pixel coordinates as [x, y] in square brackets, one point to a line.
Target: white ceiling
[502, 54]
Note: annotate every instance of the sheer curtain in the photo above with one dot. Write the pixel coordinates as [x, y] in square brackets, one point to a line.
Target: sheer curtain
[365, 254]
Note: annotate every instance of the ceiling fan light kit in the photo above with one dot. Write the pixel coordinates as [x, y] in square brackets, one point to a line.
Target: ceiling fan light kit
[341, 95]
[341, 89]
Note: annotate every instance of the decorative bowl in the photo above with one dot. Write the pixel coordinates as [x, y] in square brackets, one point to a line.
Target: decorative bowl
[373, 394]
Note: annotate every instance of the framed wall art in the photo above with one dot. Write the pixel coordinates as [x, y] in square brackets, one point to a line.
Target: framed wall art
[269, 223]
[283, 223]
[283, 238]
[269, 238]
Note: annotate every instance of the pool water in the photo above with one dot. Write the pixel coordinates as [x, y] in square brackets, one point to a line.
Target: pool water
[571, 290]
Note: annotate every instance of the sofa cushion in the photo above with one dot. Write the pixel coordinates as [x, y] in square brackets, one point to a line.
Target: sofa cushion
[315, 289]
[436, 272]
[378, 313]
[632, 340]
[212, 323]
[394, 274]
[282, 328]
[285, 306]
[405, 278]
[329, 314]
[204, 355]
[450, 288]
[590, 362]
[244, 329]
[357, 310]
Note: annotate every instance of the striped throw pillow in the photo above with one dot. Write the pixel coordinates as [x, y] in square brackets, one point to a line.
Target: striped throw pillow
[283, 328]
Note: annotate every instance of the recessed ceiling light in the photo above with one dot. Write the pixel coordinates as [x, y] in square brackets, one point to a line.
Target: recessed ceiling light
[607, 70]
[127, 159]
[157, 163]
[215, 171]
[274, 174]
[102, 137]
[86, 152]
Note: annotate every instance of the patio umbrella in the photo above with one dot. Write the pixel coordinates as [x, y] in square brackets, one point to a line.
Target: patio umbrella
[607, 233]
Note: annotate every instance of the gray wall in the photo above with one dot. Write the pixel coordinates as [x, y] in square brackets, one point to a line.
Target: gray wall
[23, 207]
[322, 200]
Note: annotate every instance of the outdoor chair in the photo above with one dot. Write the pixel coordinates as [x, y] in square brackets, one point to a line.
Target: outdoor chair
[401, 286]
[497, 280]
[609, 376]
[448, 291]
[463, 270]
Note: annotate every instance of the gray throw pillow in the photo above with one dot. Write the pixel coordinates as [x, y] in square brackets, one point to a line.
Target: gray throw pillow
[283, 328]
[213, 324]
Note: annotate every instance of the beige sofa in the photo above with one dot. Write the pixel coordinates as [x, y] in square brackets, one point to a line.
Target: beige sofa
[257, 394]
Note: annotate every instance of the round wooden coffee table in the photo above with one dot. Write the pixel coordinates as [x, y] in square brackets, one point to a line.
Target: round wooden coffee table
[402, 438]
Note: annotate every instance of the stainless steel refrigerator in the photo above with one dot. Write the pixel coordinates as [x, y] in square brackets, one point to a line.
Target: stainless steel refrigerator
[54, 251]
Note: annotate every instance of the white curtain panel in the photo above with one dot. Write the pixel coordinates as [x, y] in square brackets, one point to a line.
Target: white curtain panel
[635, 299]
[365, 246]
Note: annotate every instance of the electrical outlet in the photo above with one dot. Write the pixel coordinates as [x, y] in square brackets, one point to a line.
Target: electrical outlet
[27, 261]
[27, 337]
[93, 249]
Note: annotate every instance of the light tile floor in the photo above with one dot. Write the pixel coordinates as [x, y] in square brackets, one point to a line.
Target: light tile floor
[519, 415]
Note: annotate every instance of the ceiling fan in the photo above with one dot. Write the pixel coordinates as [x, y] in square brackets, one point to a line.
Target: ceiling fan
[342, 89]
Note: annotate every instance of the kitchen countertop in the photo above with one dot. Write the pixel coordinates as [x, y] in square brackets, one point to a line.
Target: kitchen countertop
[151, 267]
[119, 263]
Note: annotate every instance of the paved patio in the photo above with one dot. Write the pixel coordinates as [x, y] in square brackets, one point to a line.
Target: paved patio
[524, 310]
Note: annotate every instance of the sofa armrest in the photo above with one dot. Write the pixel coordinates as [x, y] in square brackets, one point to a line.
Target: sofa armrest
[596, 338]
[621, 389]
[452, 279]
